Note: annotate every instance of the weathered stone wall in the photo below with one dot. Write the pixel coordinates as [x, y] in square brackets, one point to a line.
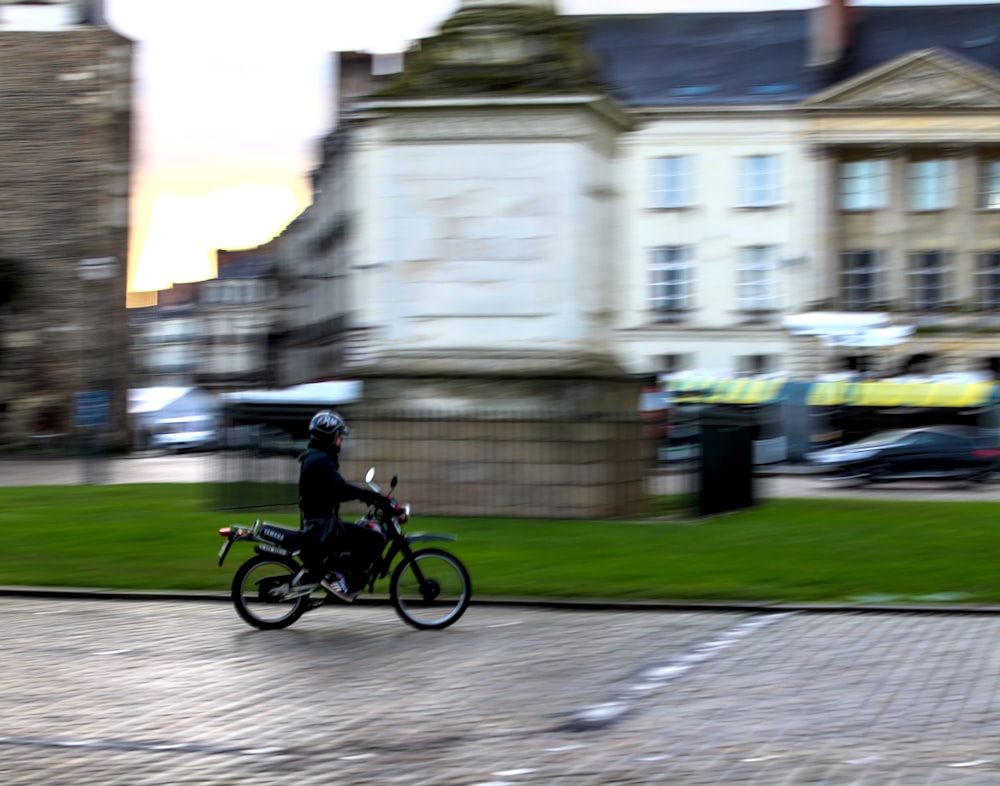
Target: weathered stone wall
[572, 446]
[519, 466]
[466, 464]
[65, 156]
[552, 445]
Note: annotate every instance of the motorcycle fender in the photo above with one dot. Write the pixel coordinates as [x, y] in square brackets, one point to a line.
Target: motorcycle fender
[225, 549]
[421, 537]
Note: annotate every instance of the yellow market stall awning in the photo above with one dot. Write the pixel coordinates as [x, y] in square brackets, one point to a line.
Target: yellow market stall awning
[725, 391]
[689, 389]
[919, 394]
[828, 394]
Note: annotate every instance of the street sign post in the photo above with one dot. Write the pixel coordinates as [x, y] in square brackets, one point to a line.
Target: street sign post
[91, 409]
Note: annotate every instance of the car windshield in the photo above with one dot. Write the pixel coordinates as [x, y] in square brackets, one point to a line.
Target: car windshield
[880, 439]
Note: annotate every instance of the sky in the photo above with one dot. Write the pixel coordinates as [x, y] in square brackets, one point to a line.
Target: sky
[232, 97]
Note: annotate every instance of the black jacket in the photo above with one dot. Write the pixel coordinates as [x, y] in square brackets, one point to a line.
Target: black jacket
[322, 488]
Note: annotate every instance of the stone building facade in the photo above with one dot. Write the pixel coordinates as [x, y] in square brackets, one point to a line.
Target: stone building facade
[833, 159]
[218, 334]
[65, 158]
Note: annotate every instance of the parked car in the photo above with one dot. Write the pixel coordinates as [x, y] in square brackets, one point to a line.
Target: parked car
[931, 452]
[189, 433]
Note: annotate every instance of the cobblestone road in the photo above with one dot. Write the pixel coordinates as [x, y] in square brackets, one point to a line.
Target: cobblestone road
[109, 693]
[135, 693]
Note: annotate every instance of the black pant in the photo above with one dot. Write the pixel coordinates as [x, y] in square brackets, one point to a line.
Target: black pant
[318, 539]
[330, 544]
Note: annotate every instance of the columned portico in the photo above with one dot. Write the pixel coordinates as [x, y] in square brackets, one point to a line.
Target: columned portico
[912, 151]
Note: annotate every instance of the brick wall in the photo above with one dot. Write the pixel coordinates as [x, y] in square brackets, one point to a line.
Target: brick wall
[65, 157]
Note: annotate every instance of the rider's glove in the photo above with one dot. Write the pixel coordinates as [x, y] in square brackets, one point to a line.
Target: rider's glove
[389, 507]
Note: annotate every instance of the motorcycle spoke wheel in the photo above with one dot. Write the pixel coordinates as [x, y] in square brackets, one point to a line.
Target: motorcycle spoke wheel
[442, 597]
[259, 589]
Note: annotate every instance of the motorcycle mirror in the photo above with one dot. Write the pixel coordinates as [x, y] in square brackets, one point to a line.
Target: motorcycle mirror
[393, 482]
[370, 475]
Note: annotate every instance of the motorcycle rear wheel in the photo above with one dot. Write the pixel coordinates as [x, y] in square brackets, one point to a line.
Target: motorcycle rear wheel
[442, 598]
[257, 592]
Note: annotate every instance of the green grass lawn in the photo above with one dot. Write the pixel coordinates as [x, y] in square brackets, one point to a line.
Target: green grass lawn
[160, 537]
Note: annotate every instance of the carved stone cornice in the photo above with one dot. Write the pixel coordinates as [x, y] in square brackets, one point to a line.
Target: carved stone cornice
[930, 79]
[818, 150]
[485, 127]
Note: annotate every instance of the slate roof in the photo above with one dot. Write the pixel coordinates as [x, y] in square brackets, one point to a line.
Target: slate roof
[761, 58]
[887, 32]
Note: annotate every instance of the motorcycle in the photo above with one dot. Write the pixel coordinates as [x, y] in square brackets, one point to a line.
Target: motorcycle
[429, 588]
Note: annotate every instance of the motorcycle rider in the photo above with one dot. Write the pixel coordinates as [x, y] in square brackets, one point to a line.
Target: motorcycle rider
[321, 490]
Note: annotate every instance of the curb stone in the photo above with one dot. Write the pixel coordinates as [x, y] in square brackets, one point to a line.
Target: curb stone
[568, 604]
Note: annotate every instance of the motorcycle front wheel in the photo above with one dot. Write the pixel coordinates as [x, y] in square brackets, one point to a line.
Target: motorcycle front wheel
[260, 589]
[436, 597]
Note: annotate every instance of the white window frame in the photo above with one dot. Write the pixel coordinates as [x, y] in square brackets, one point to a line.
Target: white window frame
[928, 275]
[988, 185]
[987, 280]
[864, 184]
[671, 182]
[671, 276]
[930, 184]
[862, 286]
[759, 180]
[757, 278]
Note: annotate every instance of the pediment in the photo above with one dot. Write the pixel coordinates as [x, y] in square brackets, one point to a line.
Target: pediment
[926, 79]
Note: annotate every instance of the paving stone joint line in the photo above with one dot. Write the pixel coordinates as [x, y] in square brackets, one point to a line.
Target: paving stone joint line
[653, 679]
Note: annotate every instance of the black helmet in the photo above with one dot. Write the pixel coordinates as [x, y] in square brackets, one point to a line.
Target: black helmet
[326, 426]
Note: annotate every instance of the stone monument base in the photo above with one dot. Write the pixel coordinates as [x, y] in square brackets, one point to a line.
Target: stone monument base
[495, 436]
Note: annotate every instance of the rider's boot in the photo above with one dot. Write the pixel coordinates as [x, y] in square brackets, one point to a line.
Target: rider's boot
[336, 584]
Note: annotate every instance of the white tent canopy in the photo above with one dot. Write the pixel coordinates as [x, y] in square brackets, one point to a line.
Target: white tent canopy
[320, 394]
[143, 400]
[848, 328]
[873, 337]
[815, 323]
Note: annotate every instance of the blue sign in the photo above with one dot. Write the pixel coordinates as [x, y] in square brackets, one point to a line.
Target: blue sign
[91, 409]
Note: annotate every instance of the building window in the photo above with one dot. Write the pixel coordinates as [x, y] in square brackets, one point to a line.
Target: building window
[672, 280]
[672, 182]
[927, 280]
[759, 181]
[861, 280]
[756, 278]
[860, 364]
[752, 365]
[989, 185]
[988, 281]
[864, 184]
[672, 364]
[931, 184]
